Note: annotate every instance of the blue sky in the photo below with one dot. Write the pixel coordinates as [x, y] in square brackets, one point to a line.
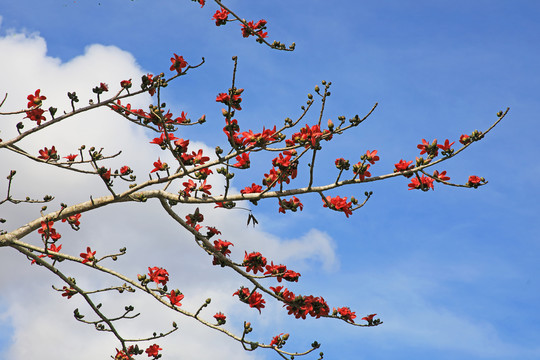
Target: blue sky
[453, 273]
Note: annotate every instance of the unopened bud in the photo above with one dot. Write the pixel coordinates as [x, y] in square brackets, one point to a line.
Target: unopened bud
[330, 124]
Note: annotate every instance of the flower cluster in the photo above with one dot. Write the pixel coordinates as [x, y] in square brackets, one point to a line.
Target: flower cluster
[158, 275]
[292, 204]
[338, 203]
[231, 99]
[254, 29]
[281, 272]
[253, 298]
[254, 262]
[221, 17]
[301, 306]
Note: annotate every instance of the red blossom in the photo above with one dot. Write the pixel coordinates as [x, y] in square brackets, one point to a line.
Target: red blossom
[372, 156]
[126, 84]
[346, 314]
[153, 350]
[47, 231]
[441, 176]
[68, 292]
[431, 149]
[464, 139]
[339, 204]
[175, 298]
[254, 262]
[181, 145]
[446, 146]
[425, 183]
[125, 170]
[36, 99]
[161, 140]
[159, 166]
[205, 188]
[105, 174]
[71, 157]
[104, 87]
[36, 115]
[158, 275]
[48, 154]
[220, 318]
[292, 204]
[73, 220]
[221, 17]
[178, 63]
[361, 170]
[254, 299]
[243, 161]
[52, 248]
[474, 181]
[369, 318]
[88, 256]
[254, 188]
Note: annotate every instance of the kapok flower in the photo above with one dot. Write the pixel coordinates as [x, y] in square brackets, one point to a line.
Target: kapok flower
[88, 256]
[48, 154]
[47, 231]
[254, 299]
[425, 183]
[71, 157]
[254, 261]
[220, 318]
[372, 156]
[221, 17]
[292, 204]
[243, 161]
[339, 204]
[68, 292]
[159, 166]
[158, 275]
[175, 297]
[254, 188]
[178, 63]
[369, 318]
[73, 220]
[52, 248]
[161, 140]
[36, 99]
[465, 139]
[446, 146]
[126, 84]
[36, 115]
[442, 176]
[474, 181]
[153, 350]
[346, 314]
[125, 170]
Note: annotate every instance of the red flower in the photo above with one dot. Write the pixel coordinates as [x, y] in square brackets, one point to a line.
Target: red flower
[161, 140]
[35, 100]
[36, 115]
[73, 220]
[372, 156]
[153, 350]
[442, 176]
[254, 261]
[425, 183]
[71, 157]
[158, 275]
[175, 298]
[292, 204]
[431, 149]
[222, 247]
[474, 181]
[51, 248]
[48, 154]
[198, 158]
[68, 292]
[253, 189]
[47, 231]
[243, 161]
[221, 17]
[212, 231]
[202, 2]
[233, 101]
[445, 147]
[254, 299]
[125, 170]
[126, 84]
[88, 256]
[178, 63]
[205, 188]
[361, 170]
[339, 204]
[105, 174]
[220, 318]
[181, 145]
[159, 166]
[346, 314]
[464, 139]
[104, 87]
[189, 186]
[369, 318]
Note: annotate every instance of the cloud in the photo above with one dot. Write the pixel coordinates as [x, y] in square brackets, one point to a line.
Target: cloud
[41, 319]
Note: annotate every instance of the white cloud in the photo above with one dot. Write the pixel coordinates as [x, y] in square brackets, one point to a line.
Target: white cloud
[42, 319]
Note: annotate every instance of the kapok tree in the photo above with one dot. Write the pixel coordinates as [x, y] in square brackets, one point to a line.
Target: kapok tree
[181, 176]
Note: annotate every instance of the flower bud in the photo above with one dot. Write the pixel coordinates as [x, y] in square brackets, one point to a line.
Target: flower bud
[330, 125]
